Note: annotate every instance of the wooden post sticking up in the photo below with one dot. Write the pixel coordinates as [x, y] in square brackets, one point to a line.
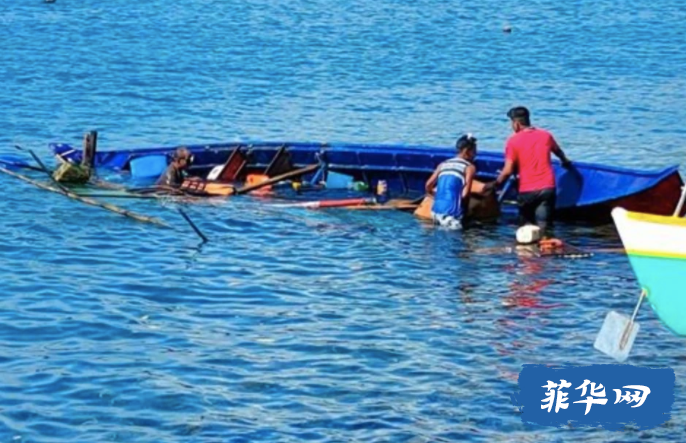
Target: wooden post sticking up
[90, 143]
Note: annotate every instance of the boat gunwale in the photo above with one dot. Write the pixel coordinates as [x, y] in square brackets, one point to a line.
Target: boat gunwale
[371, 148]
[656, 176]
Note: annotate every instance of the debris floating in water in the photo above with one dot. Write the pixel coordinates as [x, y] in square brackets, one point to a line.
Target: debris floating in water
[507, 29]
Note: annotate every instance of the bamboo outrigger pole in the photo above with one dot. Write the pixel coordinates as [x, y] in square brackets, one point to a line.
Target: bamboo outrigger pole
[66, 192]
[60, 189]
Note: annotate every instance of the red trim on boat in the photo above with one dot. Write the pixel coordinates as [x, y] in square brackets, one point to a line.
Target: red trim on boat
[661, 199]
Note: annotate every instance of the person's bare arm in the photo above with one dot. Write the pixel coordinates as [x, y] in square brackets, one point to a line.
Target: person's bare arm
[560, 153]
[508, 167]
[507, 171]
[469, 178]
[431, 183]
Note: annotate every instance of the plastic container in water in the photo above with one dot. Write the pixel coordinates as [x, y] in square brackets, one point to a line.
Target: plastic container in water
[148, 166]
[214, 173]
[358, 186]
[335, 180]
[382, 191]
[528, 234]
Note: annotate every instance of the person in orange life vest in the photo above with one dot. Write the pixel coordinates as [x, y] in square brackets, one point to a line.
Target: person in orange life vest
[530, 149]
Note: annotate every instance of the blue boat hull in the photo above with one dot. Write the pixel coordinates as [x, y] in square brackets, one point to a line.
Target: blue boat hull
[585, 191]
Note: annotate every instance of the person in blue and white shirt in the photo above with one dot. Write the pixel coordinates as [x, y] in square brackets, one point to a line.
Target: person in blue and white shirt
[451, 183]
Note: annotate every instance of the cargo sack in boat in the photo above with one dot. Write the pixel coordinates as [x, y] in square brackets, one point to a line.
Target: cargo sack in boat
[253, 179]
[481, 208]
[424, 209]
[71, 173]
[203, 188]
[194, 187]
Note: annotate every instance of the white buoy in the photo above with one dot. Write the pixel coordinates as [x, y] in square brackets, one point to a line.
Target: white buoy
[528, 234]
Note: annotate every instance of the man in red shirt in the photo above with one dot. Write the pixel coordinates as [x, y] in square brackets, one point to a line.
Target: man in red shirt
[529, 148]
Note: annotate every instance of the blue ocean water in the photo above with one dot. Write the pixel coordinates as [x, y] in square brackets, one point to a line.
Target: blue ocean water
[293, 325]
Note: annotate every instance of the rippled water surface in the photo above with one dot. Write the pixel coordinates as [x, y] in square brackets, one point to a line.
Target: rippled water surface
[293, 325]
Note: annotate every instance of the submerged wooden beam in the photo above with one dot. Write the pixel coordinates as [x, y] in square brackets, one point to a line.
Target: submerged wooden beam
[398, 204]
[565, 251]
[123, 195]
[318, 204]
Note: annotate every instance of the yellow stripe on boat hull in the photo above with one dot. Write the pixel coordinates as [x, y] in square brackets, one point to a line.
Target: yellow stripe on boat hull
[660, 219]
[656, 254]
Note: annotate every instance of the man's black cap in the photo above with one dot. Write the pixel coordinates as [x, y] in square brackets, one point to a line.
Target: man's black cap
[518, 112]
[467, 140]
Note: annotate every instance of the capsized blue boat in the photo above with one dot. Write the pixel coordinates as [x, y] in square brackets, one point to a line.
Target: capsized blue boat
[586, 191]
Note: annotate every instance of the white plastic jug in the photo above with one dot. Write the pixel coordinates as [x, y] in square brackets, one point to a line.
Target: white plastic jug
[528, 234]
[214, 173]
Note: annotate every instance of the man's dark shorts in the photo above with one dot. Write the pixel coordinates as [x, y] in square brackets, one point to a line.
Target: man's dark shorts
[537, 208]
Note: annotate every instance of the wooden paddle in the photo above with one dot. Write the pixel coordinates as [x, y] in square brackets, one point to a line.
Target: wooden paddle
[618, 333]
[277, 179]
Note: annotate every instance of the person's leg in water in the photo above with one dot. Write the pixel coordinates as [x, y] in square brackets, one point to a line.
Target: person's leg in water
[447, 221]
[545, 212]
[527, 208]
